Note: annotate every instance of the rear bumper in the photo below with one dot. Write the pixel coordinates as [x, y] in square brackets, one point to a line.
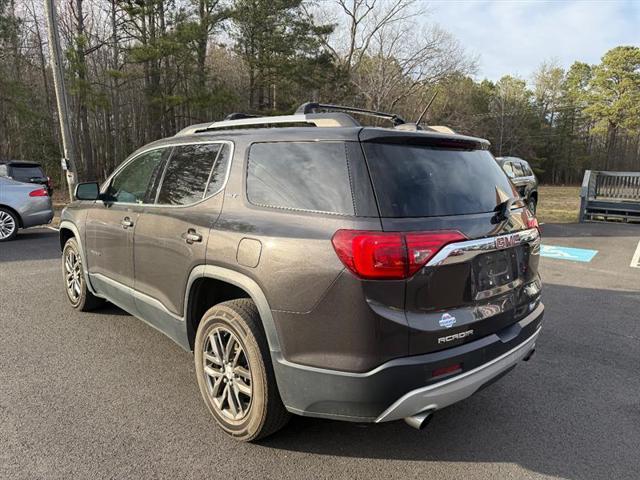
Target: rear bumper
[41, 217]
[38, 211]
[403, 387]
[448, 392]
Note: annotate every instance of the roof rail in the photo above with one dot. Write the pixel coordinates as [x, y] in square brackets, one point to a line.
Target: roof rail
[244, 120]
[313, 107]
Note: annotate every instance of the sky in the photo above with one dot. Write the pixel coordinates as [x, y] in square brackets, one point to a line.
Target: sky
[515, 37]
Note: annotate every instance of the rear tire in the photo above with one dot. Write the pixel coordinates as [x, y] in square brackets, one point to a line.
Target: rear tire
[8, 225]
[73, 276]
[235, 374]
[532, 204]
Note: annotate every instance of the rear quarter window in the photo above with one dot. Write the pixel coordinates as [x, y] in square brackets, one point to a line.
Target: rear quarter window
[419, 181]
[309, 176]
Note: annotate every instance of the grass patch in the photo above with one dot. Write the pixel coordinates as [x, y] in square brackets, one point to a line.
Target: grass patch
[558, 204]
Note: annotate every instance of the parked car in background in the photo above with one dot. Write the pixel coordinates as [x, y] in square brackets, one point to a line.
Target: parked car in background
[520, 173]
[27, 172]
[343, 272]
[22, 205]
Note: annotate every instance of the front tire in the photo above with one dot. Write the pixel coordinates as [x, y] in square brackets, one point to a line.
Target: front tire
[74, 279]
[235, 374]
[8, 225]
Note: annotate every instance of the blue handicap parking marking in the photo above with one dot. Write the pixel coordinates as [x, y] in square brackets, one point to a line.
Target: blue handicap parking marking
[568, 253]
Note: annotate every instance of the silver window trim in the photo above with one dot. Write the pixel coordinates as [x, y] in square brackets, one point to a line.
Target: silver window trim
[124, 164]
[462, 251]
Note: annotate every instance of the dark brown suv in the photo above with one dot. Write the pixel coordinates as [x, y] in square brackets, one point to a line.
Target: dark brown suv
[317, 267]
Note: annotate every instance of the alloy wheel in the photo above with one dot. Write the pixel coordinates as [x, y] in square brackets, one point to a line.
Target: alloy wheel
[227, 374]
[7, 225]
[73, 275]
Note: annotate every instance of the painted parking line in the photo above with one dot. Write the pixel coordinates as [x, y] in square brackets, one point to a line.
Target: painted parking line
[567, 253]
[635, 260]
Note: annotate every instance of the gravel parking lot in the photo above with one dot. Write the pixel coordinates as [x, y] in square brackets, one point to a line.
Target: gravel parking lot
[103, 395]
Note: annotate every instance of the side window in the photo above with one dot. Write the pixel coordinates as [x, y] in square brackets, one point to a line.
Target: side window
[188, 173]
[508, 169]
[303, 176]
[517, 169]
[219, 170]
[3, 171]
[527, 169]
[130, 185]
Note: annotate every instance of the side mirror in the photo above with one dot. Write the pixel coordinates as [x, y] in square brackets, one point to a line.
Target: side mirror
[87, 191]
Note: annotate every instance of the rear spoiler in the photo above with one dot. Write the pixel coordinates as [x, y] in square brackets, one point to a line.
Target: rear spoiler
[423, 137]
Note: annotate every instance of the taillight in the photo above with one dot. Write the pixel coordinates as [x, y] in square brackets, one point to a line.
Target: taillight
[41, 192]
[532, 221]
[389, 255]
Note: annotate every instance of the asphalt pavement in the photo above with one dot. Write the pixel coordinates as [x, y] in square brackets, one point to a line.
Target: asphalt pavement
[102, 395]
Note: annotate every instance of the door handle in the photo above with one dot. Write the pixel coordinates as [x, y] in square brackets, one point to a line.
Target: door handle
[126, 222]
[191, 236]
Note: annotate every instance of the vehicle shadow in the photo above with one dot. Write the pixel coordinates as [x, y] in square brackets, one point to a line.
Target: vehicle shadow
[572, 411]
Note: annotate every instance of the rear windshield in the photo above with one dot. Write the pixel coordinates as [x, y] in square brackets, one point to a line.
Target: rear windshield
[24, 174]
[418, 181]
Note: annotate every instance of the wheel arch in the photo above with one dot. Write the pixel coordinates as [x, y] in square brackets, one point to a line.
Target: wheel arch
[66, 231]
[234, 285]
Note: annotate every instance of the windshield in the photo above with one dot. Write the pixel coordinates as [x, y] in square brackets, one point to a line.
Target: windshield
[419, 181]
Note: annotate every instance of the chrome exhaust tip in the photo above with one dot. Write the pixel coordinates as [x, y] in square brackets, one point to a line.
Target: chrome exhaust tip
[420, 420]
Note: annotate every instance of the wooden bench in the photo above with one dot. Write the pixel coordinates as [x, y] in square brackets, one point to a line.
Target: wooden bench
[610, 196]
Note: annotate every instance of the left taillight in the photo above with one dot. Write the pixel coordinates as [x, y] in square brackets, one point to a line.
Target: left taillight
[389, 255]
[40, 192]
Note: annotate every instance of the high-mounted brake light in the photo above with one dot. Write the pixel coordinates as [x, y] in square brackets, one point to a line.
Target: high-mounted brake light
[41, 192]
[389, 255]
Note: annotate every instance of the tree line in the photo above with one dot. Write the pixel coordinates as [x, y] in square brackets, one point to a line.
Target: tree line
[139, 70]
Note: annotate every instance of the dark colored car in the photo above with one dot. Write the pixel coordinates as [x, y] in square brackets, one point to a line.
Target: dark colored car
[343, 272]
[26, 172]
[520, 173]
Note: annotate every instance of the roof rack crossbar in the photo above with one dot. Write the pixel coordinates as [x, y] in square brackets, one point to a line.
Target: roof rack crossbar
[313, 107]
[239, 116]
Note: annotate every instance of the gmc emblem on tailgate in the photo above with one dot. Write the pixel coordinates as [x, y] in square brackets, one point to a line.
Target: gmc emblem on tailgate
[508, 241]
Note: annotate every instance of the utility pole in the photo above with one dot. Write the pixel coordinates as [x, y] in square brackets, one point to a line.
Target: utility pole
[68, 163]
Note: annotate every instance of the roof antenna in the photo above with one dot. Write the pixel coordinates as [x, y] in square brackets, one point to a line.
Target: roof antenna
[426, 108]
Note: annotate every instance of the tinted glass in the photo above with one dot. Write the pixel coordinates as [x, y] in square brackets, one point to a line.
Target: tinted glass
[527, 169]
[186, 176]
[304, 176]
[417, 181]
[517, 169]
[219, 171]
[508, 169]
[131, 184]
[24, 174]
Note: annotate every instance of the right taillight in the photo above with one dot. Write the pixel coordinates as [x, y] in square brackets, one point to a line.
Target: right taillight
[389, 255]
